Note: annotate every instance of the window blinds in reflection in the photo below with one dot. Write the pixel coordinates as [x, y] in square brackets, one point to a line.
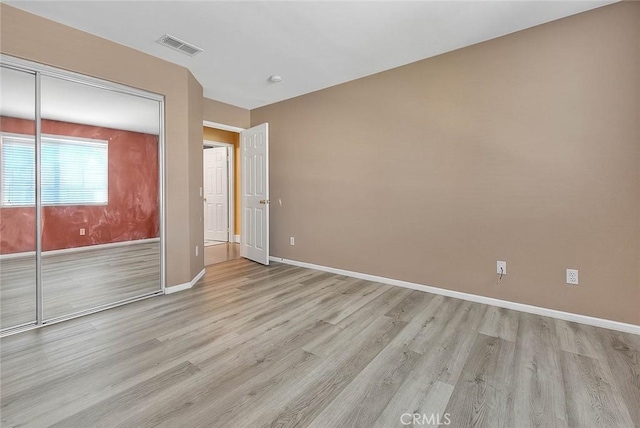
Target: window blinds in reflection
[74, 171]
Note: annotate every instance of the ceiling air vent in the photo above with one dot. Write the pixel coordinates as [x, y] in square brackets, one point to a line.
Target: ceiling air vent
[179, 45]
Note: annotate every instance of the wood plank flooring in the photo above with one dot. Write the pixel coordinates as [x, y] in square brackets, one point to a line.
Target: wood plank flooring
[280, 346]
[77, 281]
[221, 253]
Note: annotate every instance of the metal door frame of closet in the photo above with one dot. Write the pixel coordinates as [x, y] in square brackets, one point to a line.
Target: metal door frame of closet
[39, 70]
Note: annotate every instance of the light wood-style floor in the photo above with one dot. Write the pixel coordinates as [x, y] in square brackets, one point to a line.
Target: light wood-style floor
[77, 281]
[221, 253]
[278, 346]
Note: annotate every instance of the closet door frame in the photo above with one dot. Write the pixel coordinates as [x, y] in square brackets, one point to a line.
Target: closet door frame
[40, 70]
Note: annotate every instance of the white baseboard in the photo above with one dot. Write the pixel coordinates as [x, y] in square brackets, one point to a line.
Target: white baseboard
[237, 238]
[79, 249]
[553, 313]
[185, 286]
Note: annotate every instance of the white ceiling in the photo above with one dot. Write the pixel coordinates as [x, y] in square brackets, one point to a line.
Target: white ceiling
[312, 45]
[75, 103]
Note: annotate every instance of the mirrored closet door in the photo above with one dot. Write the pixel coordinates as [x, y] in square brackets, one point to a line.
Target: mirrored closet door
[18, 195]
[81, 215]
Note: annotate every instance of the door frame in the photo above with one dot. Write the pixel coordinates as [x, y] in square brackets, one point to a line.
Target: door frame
[222, 126]
[230, 185]
[237, 130]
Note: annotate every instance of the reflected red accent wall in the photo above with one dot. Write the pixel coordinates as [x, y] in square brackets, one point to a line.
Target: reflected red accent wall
[133, 209]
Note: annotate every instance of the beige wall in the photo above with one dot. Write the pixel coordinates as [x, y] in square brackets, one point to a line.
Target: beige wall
[31, 37]
[196, 207]
[525, 148]
[221, 136]
[226, 114]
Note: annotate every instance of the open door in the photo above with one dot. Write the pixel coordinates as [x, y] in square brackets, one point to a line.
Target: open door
[254, 235]
[216, 198]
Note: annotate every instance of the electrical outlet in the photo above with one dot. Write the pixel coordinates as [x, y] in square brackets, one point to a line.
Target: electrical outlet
[292, 241]
[501, 267]
[572, 276]
[197, 249]
[82, 232]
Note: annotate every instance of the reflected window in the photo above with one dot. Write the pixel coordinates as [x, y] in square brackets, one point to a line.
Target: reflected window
[74, 171]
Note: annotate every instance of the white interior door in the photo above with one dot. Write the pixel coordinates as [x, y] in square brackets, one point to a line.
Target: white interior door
[216, 194]
[254, 234]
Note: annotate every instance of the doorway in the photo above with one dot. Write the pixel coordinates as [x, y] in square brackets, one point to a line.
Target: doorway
[250, 186]
[218, 193]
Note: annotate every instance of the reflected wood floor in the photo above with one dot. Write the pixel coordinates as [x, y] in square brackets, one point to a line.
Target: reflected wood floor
[76, 281]
[279, 346]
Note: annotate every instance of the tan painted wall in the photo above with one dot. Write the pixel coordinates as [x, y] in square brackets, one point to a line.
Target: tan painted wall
[226, 114]
[222, 136]
[31, 37]
[196, 173]
[525, 148]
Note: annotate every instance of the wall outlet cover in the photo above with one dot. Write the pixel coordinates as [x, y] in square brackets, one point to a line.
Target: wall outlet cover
[292, 241]
[501, 267]
[572, 276]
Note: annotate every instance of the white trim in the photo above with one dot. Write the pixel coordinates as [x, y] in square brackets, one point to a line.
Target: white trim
[231, 183]
[185, 286]
[79, 249]
[553, 313]
[222, 126]
[237, 239]
[211, 143]
[175, 288]
[162, 197]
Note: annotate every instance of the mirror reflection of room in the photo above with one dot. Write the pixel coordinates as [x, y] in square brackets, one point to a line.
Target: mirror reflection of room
[100, 215]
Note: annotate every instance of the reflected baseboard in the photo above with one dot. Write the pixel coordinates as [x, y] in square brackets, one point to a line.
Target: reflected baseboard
[78, 249]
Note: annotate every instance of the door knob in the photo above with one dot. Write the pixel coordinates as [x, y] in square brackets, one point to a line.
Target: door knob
[265, 201]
